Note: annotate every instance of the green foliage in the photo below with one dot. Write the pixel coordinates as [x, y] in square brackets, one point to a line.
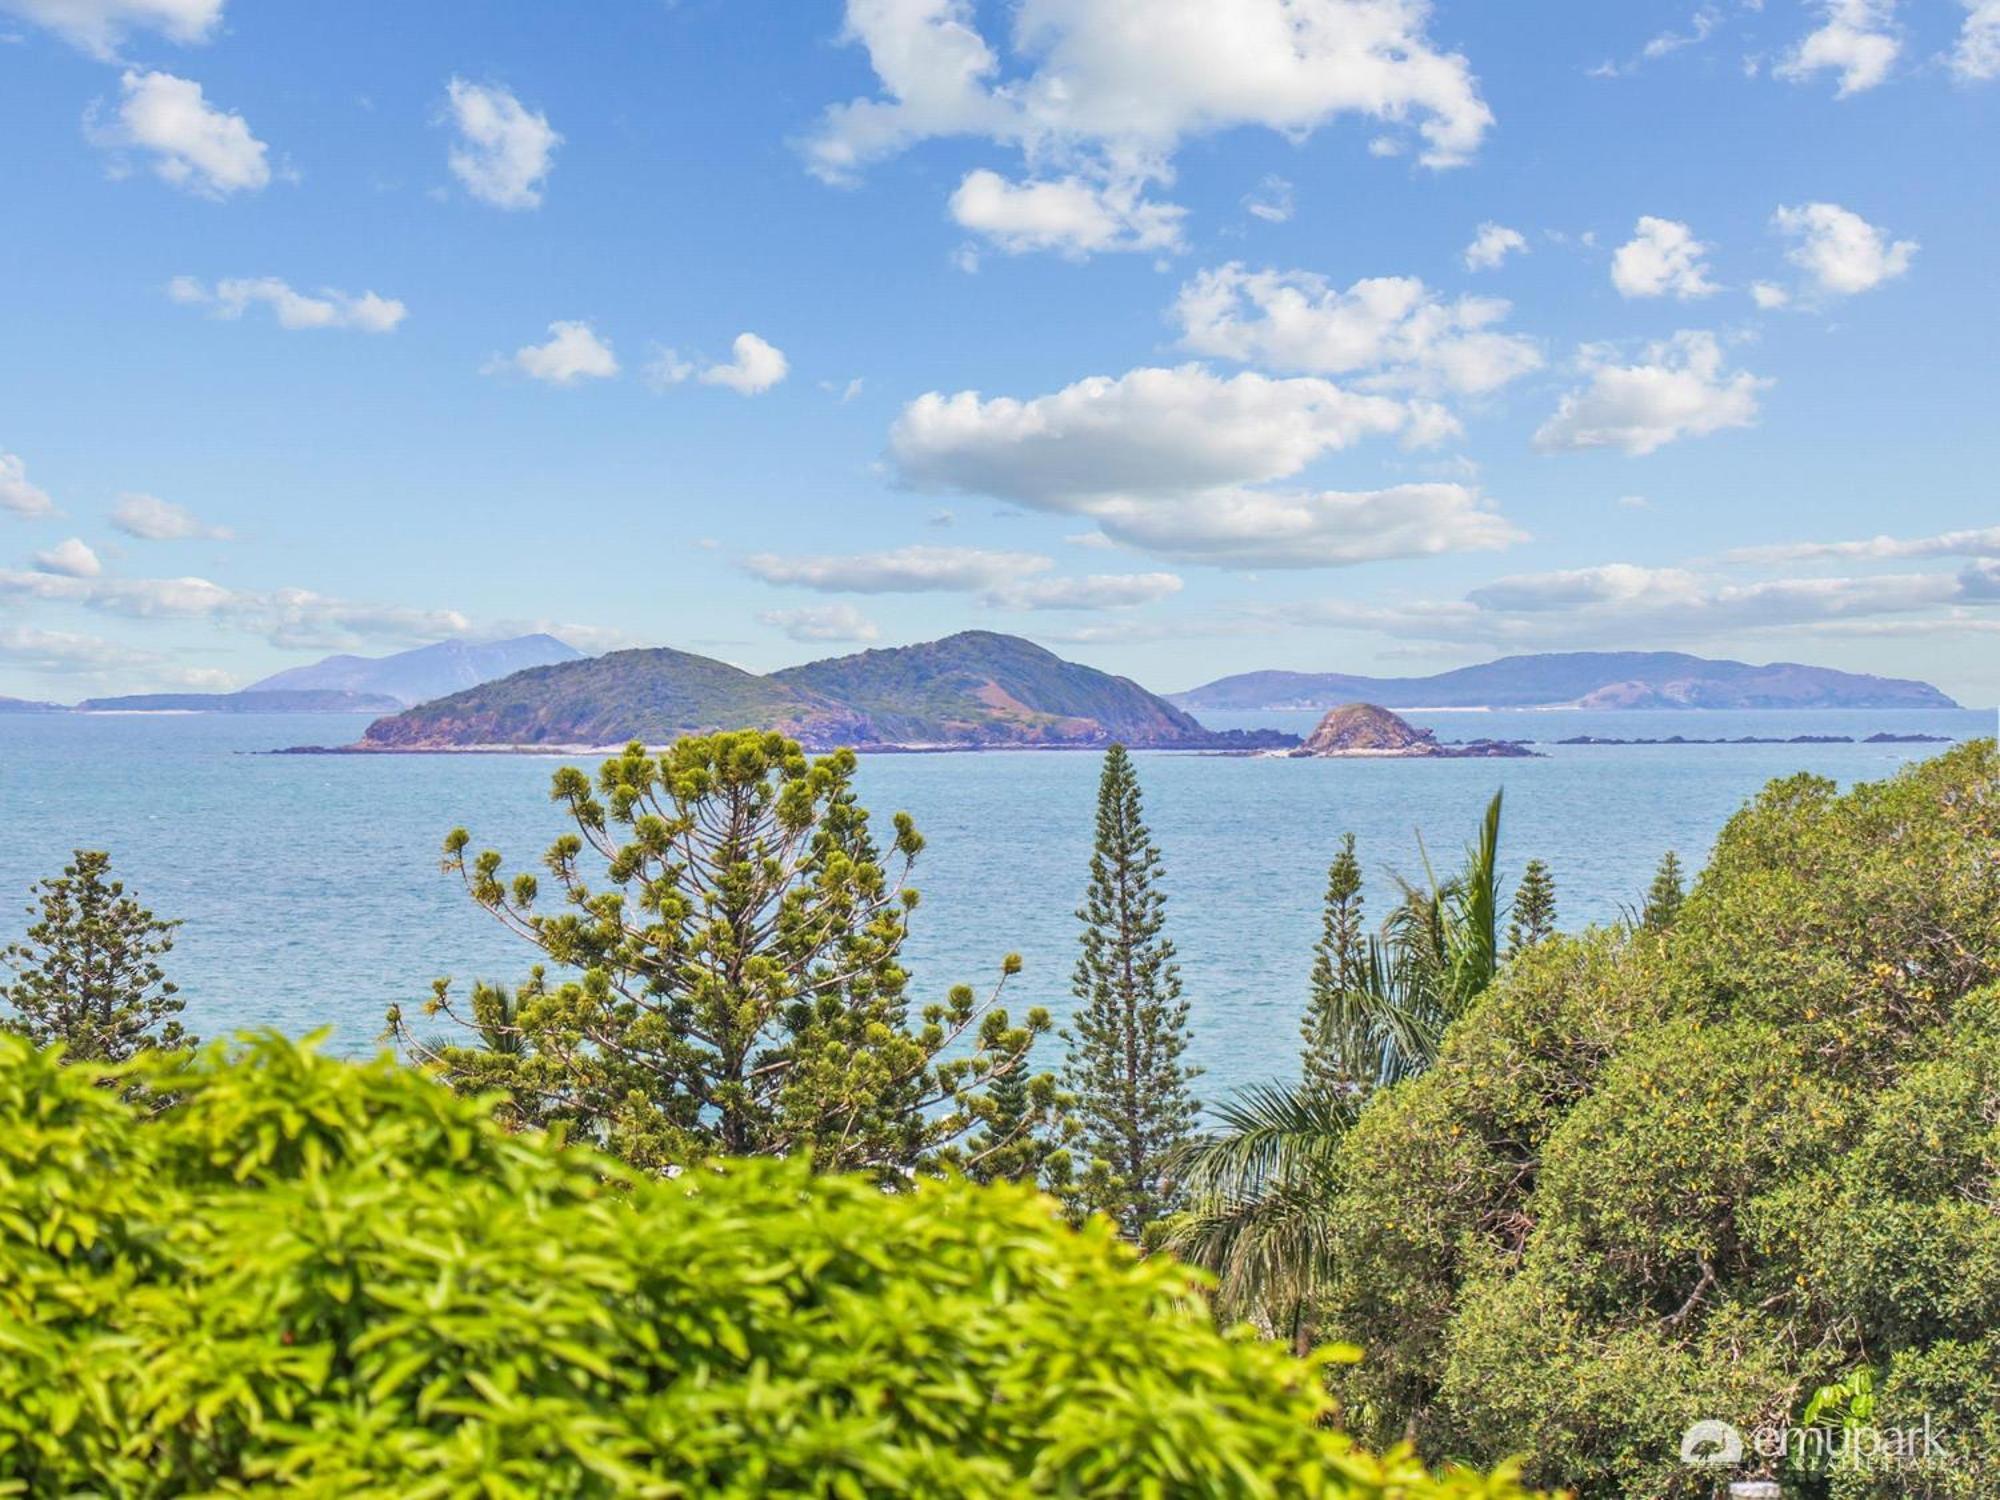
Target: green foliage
[1954, 1384]
[1664, 896]
[1704, 1171]
[1438, 949]
[1131, 1026]
[1340, 969]
[88, 973]
[1533, 915]
[1027, 1129]
[1259, 1187]
[1263, 1186]
[341, 1280]
[741, 988]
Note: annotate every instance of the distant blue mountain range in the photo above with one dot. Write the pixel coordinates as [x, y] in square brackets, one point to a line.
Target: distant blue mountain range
[347, 684]
[1584, 679]
[428, 672]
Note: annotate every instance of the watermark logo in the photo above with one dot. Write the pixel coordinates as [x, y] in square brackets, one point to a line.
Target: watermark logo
[1711, 1445]
[1717, 1445]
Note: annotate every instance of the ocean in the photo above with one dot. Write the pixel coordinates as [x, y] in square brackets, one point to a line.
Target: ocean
[312, 897]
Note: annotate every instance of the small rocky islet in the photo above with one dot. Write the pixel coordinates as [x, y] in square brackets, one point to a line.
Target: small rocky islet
[1367, 730]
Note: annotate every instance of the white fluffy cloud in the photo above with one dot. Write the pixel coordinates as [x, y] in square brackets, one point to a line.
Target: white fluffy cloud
[1392, 331]
[1150, 431]
[1094, 591]
[1169, 461]
[1105, 91]
[71, 558]
[504, 151]
[755, 366]
[1001, 579]
[1840, 252]
[1679, 390]
[232, 296]
[195, 146]
[1856, 39]
[1677, 600]
[1618, 604]
[1976, 58]
[1983, 541]
[98, 26]
[903, 570]
[1492, 245]
[18, 496]
[1663, 258]
[572, 352]
[823, 622]
[1254, 528]
[59, 652]
[151, 519]
[285, 616]
[1068, 215]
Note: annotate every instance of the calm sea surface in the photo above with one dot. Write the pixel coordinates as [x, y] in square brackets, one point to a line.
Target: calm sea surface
[312, 895]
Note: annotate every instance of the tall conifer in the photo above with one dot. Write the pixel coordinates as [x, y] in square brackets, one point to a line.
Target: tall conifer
[1130, 1029]
[1534, 917]
[1663, 899]
[88, 974]
[1339, 971]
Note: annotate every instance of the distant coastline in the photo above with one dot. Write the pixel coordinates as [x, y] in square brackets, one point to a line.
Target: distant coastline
[1672, 681]
[1592, 742]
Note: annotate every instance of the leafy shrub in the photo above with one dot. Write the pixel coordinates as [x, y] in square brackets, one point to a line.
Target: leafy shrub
[348, 1280]
[1698, 1172]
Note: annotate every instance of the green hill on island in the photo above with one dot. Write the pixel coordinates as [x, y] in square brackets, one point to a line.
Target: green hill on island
[966, 691]
[657, 694]
[978, 686]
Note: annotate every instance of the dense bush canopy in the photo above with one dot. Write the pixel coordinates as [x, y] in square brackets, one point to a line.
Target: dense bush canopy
[1695, 1172]
[352, 1281]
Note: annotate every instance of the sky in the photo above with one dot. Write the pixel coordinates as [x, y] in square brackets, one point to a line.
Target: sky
[1185, 337]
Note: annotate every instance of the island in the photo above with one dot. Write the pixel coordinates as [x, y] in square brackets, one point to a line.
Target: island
[976, 690]
[1367, 730]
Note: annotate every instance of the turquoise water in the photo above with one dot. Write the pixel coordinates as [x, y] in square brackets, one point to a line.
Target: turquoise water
[312, 895]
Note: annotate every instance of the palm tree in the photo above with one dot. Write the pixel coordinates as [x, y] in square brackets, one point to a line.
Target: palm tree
[1261, 1186]
[1258, 1192]
[1439, 948]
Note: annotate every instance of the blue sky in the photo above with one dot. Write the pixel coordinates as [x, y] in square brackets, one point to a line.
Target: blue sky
[1185, 338]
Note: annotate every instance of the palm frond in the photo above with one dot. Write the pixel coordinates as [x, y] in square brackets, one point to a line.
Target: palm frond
[1268, 1132]
[1271, 1253]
